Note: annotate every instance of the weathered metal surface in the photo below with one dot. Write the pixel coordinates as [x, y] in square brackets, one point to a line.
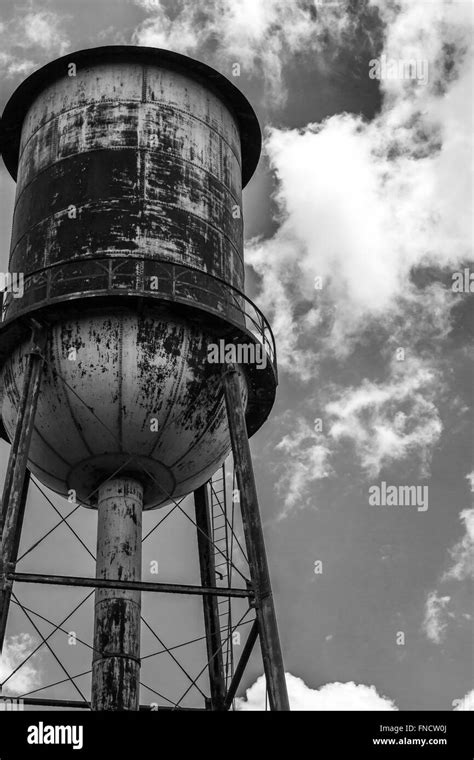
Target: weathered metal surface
[153, 396]
[18, 105]
[159, 588]
[129, 186]
[130, 160]
[253, 531]
[241, 665]
[131, 171]
[210, 605]
[17, 479]
[76, 704]
[8, 558]
[116, 658]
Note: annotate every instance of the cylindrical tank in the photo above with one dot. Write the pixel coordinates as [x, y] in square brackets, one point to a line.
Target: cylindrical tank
[132, 160]
[128, 232]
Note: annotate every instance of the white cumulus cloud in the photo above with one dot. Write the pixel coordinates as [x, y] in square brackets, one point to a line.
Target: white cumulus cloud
[331, 696]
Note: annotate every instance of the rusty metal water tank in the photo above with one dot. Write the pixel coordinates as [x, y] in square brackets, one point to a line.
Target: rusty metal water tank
[130, 164]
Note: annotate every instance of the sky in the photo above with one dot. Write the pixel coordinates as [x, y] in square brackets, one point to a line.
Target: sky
[357, 227]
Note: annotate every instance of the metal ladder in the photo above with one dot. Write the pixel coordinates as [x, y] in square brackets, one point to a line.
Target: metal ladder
[222, 539]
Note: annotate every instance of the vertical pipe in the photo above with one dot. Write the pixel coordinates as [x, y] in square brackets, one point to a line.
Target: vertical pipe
[210, 603]
[116, 659]
[258, 567]
[16, 487]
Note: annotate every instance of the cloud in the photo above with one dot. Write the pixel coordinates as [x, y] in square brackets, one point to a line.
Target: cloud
[12, 66]
[385, 422]
[391, 421]
[44, 30]
[305, 461]
[331, 696]
[437, 612]
[39, 34]
[261, 36]
[362, 208]
[462, 553]
[435, 622]
[466, 703]
[15, 650]
[363, 205]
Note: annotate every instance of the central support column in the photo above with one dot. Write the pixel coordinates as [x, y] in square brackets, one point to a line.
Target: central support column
[116, 659]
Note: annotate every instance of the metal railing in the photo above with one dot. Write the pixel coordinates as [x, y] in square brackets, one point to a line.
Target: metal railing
[144, 276]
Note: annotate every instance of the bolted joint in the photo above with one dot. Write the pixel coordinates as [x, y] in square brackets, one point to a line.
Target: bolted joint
[38, 338]
[124, 655]
[6, 584]
[252, 595]
[261, 595]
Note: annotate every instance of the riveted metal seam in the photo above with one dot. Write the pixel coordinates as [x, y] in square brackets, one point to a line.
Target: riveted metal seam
[165, 106]
[99, 204]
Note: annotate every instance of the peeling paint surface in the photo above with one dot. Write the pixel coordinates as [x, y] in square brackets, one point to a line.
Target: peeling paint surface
[129, 160]
[116, 659]
[139, 386]
[129, 172]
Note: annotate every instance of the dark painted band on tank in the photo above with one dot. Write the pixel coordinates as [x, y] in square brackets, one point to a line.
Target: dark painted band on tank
[163, 213]
[101, 230]
[98, 127]
[107, 173]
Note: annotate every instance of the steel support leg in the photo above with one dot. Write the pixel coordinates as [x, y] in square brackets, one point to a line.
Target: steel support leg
[16, 482]
[259, 574]
[210, 603]
[116, 659]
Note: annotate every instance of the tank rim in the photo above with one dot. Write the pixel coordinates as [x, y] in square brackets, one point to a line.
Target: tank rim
[19, 102]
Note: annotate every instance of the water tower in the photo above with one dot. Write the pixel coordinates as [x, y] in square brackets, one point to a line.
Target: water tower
[128, 232]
